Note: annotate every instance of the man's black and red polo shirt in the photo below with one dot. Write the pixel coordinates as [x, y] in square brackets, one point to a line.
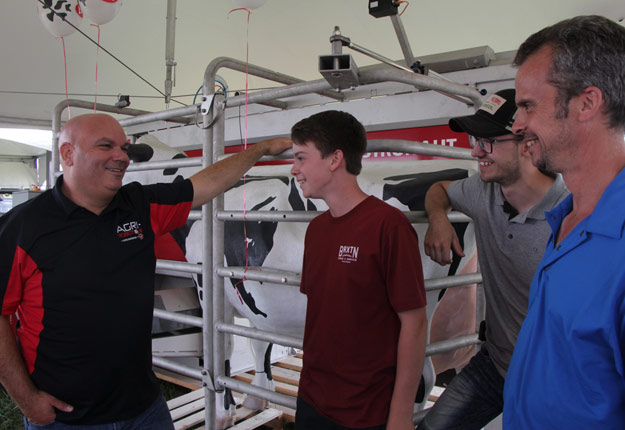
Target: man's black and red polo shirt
[83, 288]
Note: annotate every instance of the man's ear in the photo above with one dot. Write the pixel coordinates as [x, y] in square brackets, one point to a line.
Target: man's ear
[66, 150]
[589, 103]
[336, 159]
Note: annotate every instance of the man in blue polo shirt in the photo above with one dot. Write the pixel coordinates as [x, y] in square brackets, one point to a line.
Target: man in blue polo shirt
[568, 366]
[77, 265]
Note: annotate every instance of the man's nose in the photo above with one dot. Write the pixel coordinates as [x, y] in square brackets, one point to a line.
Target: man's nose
[519, 124]
[477, 151]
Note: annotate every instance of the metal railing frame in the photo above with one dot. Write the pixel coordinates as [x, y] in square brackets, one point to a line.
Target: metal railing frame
[213, 216]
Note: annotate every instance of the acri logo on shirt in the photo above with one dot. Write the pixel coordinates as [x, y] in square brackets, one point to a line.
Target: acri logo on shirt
[130, 231]
[348, 254]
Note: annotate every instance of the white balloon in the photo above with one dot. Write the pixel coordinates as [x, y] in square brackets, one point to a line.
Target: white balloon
[249, 4]
[100, 11]
[55, 23]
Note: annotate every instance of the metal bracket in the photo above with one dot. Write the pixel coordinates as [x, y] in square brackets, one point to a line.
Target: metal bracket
[207, 104]
[339, 70]
[207, 380]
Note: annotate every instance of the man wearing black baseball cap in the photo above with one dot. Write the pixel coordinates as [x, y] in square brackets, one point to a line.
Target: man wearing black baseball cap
[506, 201]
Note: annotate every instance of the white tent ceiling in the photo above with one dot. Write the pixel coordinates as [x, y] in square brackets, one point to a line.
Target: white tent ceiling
[284, 35]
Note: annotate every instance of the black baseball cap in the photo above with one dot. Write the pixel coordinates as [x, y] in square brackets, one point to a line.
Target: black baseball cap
[494, 118]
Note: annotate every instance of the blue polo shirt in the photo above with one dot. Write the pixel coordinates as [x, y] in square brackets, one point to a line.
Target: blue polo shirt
[568, 366]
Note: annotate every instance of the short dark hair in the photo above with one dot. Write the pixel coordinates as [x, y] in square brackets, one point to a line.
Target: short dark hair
[332, 130]
[587, 51]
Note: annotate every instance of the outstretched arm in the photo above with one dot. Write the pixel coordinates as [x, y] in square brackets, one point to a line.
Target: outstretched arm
[218, 177]
[410, 359]
[37, 406]
[440, 237]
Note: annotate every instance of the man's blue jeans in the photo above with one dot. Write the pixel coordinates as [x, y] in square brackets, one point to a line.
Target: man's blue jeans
[156, 417]
[473, 398]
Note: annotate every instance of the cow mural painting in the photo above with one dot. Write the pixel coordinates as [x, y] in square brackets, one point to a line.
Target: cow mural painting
[272, 245]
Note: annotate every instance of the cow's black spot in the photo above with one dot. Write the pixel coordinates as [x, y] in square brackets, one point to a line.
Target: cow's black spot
[140, 152]
[412, 188]
[411, 192]
[260, 242]
[173, 170]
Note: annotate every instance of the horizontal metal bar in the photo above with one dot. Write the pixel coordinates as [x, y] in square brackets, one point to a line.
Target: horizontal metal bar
[244, 387]
[257, 334]
[421, 148]
[178, 317]
[165, 164]
[166, 115]
[263, 274]
[195, 214]
[254, 70]
[439, 347]
[174, 366]
[452, 281]
[451, 344]
[179, 266]
[415, 217]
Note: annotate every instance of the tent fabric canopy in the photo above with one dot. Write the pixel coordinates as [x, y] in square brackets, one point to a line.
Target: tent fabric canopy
[15, 175]
[12, 148]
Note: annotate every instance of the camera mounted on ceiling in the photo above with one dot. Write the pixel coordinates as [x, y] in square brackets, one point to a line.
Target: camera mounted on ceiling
[382, 8]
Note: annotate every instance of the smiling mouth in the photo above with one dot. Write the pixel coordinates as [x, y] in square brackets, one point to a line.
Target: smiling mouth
[301, 181]
[119, 171]
[485, 163]
[529, 142]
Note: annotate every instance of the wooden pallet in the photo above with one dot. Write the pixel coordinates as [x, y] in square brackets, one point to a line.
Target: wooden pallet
[187, 411]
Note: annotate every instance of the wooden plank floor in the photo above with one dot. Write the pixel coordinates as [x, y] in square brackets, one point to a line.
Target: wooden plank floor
[188, 410]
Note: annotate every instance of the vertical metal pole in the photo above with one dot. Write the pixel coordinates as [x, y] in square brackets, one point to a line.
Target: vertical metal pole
[207, 278]
[403, 40]
[55, 159]
[170, 44]
[219, 367]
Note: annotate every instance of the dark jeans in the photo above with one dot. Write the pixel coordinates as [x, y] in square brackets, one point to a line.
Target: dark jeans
[307, 418]
[473, 398]
[156, 417]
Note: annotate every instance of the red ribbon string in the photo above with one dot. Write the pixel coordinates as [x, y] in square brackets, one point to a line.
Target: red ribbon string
[247, 62]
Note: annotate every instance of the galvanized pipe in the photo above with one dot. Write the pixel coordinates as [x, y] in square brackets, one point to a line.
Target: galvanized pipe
[165, 164]
[281, 92]
[410, 147]
[415, 217]
[435, 348]
[243, 67]
[173, 115]
[244, 387]
[451, 344]
[217, 256]
[208, 341]
[293, 279]
[257, 334]
[403, 39]
[170, 45]
[191, 372]
[415, 79]
[178, 317]
[179, 266]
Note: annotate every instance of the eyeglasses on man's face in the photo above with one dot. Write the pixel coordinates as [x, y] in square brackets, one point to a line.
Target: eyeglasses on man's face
[486, 143]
